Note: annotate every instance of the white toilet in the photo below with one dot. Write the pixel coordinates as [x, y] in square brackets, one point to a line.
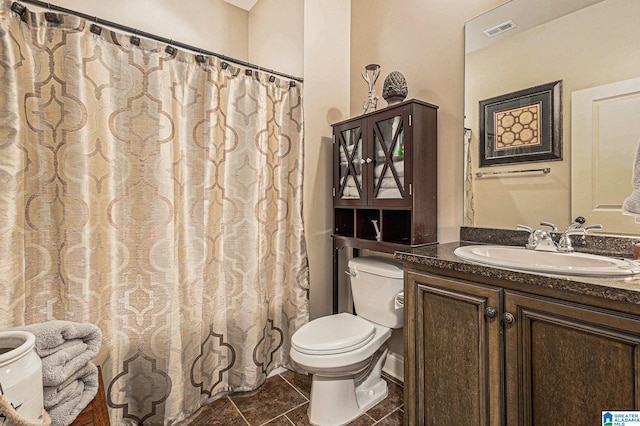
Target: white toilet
[345, 353]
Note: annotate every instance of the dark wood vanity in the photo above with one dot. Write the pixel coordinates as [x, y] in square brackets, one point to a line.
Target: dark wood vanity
[488, 346]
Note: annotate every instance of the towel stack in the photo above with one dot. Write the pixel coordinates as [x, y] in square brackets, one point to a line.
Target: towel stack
[69, 377]
[350, 189]
[388, 185]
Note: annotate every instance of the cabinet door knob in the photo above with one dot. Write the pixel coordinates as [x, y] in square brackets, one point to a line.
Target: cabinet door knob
[490, 312]
[362, 161]
[369, 160]
[508, 318]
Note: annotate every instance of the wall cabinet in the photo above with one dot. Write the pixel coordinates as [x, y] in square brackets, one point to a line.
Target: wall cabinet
[477, 354]
[384, 182]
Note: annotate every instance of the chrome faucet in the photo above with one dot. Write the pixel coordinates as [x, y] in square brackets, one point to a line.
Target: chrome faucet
[564, 245]
[540, 239]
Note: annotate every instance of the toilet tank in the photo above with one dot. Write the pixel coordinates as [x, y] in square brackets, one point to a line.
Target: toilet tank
[375, 282]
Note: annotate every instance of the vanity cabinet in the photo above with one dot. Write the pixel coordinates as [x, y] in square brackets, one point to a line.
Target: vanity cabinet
[385, 171]
[478, 354]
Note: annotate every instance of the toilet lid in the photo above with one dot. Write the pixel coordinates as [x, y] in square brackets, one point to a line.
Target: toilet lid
[333, 334]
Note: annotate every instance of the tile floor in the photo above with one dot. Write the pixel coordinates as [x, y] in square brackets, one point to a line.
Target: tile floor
[283, 401]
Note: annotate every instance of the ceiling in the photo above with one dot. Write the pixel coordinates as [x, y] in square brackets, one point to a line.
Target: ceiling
[525, 13]
[243, 4]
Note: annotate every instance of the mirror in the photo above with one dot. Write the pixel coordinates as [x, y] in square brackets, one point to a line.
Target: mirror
[591, 47]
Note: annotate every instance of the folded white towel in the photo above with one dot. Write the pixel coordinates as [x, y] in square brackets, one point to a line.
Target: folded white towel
[350, 192]
[388, 193]
[390, 182]
[631, 205]
[343, 156]
[64, 347]
[397, 165]
[65, 401]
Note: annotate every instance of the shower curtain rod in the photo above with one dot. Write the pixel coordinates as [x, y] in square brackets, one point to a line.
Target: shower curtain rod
[170, 42]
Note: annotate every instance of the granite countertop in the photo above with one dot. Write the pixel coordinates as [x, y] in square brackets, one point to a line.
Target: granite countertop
[441, 257]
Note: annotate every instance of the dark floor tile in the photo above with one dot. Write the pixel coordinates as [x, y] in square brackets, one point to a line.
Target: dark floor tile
[280, 421]
[299, 416]
[219, 412]
[392, 402]
[300, 381]
[363, 420]
[394, 419]
[274, 398]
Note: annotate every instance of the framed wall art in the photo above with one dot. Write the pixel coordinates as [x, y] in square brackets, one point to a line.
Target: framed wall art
[523, 126]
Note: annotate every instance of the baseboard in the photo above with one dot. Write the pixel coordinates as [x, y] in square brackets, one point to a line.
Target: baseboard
[394, 366]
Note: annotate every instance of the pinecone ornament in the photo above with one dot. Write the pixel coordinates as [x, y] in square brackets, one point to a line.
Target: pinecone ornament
[395, 88]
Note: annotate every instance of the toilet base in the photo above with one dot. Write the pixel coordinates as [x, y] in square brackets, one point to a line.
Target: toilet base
[339, 400]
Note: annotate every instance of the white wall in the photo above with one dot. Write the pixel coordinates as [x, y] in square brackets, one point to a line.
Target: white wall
[424, 40]
[326, 90]
[276, 35]
[212, 25]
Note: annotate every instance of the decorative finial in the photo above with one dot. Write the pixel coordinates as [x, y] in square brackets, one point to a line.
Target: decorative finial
[371, 76]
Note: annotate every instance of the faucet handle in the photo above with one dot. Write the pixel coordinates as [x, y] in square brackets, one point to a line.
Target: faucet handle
[549, 224]
[565, 245]
[524, 228]
[577, 223]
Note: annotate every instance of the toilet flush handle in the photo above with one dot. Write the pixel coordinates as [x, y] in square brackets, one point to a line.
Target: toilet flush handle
[351, 274]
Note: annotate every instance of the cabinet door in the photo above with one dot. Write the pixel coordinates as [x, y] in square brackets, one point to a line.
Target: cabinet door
[566, 363]
[388, 174]
[452, 352]
[348, 164]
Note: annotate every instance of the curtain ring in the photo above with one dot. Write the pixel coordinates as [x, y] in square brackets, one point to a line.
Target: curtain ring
[95, 28]
[134, 39]
[52, 17]
[170, 49]
[200, 57]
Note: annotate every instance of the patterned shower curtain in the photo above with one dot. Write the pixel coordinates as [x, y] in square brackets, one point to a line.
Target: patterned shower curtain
[157, 196]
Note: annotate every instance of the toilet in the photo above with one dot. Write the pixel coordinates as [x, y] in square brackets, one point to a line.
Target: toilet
[345, 353]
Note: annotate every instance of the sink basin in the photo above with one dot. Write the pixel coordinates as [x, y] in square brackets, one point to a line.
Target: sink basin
[521, 259]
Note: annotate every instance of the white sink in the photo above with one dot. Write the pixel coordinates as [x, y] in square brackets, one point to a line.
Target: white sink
[521, 259]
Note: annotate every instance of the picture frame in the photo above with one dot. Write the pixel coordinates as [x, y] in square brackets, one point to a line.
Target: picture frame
[523, 126]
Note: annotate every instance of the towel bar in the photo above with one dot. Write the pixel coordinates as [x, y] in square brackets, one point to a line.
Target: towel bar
[543, 170]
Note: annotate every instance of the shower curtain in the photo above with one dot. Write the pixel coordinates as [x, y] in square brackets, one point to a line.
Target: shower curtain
[157, 194]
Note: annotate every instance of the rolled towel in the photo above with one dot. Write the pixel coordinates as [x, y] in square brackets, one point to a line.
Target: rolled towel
[64, 347]
[631, 204]
[65, 401]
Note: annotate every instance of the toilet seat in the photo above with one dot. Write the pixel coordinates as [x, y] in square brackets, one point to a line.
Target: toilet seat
[333, 334]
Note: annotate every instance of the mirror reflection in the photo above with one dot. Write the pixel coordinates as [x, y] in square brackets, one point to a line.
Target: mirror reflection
[591, 47]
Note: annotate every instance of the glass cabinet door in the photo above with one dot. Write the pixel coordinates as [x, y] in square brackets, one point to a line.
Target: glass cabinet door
[388, 177]
[349, 182]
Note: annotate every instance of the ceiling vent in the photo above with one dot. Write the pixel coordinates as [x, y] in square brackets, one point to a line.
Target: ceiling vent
[505, 26]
